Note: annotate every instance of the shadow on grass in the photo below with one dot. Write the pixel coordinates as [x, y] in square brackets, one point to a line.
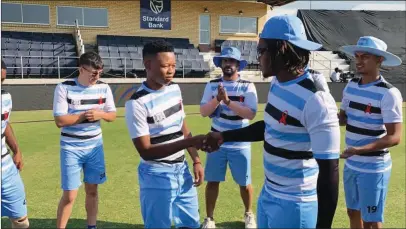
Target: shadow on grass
[235, 224]
[73, 223]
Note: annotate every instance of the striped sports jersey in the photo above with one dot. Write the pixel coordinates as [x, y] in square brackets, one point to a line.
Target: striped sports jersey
[301, 124]
[240, 91]
[6, 106]
[72, 98]
[159, 114]
[368, 107]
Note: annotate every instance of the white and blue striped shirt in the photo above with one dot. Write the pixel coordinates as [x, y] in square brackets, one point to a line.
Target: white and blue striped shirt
[159, 114]
[240, 91]
[301, 124]
[72, 98]
[368, 107]
[6, 107]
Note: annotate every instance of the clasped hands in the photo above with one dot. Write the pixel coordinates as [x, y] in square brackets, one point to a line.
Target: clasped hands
[210, 142]
[222, 94]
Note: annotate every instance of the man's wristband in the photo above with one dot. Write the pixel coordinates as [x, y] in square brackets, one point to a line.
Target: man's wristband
[195, 163]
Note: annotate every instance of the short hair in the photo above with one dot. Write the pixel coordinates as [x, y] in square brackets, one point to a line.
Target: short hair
[336, 69]
[155, 47]
[291, 58]
[3, 65]
[91, 59]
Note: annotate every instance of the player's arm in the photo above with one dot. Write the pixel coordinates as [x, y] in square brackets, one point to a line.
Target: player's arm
[192, 150]
[208, 104]
[391, 109]
[11, 141]
[320, 120]
[248, 109]
[60, 109]
[342, 118]
[136, 119]
[108, 114]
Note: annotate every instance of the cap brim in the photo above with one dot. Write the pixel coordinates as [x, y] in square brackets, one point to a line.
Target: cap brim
[307, 45]
[217, 62]
[391, 60]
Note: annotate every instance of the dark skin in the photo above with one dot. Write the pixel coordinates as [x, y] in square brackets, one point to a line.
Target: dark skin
[11, 140]
[368, 67]
[160, 70]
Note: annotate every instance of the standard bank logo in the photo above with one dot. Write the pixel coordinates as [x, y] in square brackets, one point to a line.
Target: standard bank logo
[156, 6]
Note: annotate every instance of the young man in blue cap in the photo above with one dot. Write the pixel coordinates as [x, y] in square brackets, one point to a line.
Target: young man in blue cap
[371, 110]
[231, 102]
[300, 125]
[13, 202]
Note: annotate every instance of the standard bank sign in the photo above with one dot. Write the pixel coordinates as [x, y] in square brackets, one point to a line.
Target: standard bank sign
[155, 14]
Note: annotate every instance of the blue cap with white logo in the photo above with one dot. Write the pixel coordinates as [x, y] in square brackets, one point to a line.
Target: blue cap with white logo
[288, 28]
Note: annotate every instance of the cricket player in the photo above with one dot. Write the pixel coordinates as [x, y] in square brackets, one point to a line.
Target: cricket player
[156, 123]
[371, 111]
[13, 202]
[230, 102]
[79, 106]
[300, 125]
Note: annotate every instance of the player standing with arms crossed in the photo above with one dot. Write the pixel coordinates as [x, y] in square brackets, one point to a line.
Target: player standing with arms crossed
[231, 102]
[13, 202]
[156, 123]
[371, 110]
[79, 106]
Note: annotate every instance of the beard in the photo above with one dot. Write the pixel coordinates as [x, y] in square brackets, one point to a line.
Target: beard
[228, 71]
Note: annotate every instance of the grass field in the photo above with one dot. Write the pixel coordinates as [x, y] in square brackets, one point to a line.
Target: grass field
[119, 205]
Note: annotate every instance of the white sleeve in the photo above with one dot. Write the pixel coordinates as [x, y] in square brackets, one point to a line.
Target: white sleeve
[110, 105]
[60, 106]
[391, 106]
[320, 82]
[136, 119]
[251, 98]
[321, 121]
[207, 95]
[344, 101]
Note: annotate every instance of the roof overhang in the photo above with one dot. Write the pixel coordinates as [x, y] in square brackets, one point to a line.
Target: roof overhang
[274, 3]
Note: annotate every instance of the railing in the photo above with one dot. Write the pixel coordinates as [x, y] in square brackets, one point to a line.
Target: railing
[78, 38]
[59, 67]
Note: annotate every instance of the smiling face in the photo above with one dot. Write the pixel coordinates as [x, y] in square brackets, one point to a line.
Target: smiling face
[367, 63]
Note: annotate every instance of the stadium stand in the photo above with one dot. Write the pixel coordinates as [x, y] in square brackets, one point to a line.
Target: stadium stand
[36, 54]
[123, 54]
[248, 50]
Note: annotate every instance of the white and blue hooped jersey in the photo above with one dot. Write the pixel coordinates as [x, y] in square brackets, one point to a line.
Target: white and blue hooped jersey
[159, 114]
[368, 107]
[301, 125]
[72, 98]
[6, 106]
[240, 91]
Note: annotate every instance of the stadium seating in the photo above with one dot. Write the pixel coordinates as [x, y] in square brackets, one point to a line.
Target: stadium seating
[248, 50]
[124, 54]
[38, 53]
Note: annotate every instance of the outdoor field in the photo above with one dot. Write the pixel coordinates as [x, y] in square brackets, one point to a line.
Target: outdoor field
[119, 205]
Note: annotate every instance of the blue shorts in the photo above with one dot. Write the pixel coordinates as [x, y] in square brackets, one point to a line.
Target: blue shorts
[274, 212]
[167, 193]
[92, 163]
[239, 161]
[13, 202]
[366, 192]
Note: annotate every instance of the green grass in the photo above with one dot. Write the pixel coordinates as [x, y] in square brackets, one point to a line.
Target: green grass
[119, 205]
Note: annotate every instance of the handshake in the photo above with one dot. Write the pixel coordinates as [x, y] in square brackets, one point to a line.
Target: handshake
[209, 143]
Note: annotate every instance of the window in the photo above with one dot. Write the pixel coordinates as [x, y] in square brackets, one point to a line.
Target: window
[204, 29]
[92, 17]
[231, 24]
[24, 13]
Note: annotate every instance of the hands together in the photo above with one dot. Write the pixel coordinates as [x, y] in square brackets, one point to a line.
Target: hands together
[222, 94]
[210, 142]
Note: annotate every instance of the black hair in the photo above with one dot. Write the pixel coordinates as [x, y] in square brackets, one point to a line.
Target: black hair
[91, 59]
[286, 56]
[155, 47]
[336, 69]
[3, 65]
